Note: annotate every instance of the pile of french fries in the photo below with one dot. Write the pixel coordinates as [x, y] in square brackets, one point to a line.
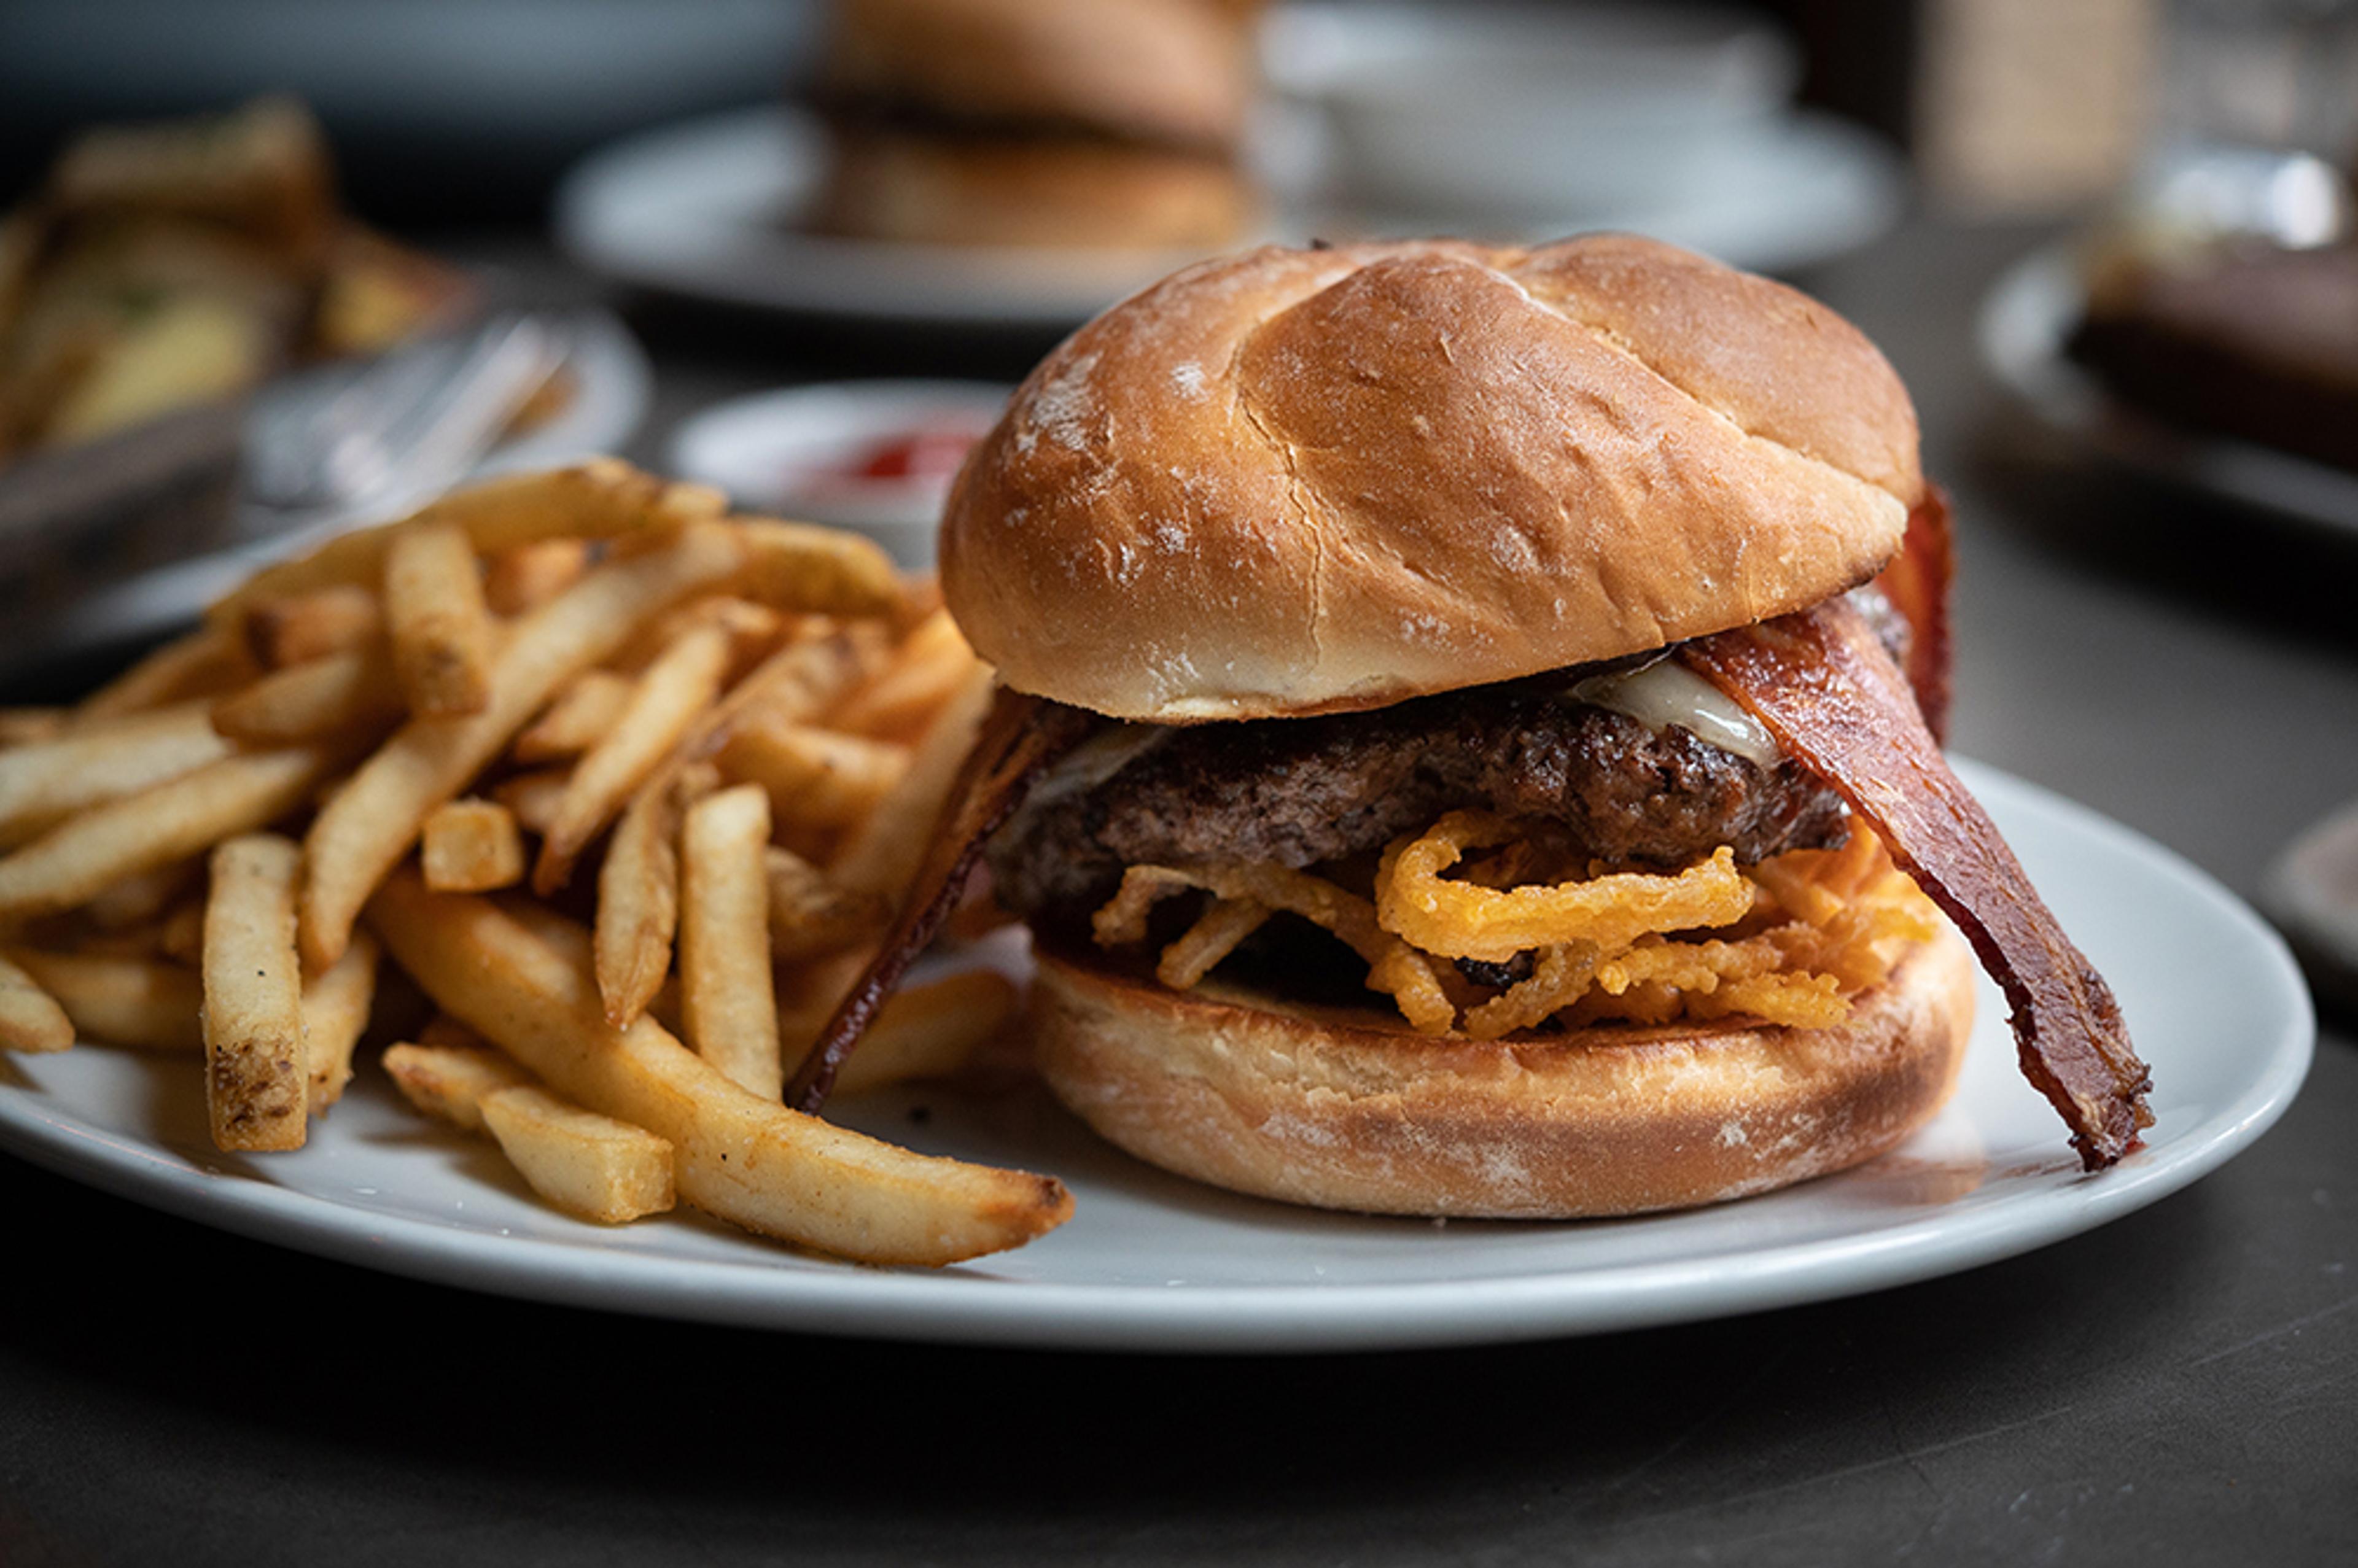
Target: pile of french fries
[627, 787]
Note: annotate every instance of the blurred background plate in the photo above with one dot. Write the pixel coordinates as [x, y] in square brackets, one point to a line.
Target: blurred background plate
[707, 210]
[2026, 321]
[608, 385]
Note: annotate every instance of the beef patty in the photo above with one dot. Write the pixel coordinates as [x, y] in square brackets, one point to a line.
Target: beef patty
[1301, 792]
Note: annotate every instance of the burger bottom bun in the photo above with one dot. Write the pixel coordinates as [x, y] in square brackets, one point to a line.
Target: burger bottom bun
[1038, 191]
[1332, 1109]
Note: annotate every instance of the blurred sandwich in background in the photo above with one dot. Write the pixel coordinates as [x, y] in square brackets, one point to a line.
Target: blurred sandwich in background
[1039, 122]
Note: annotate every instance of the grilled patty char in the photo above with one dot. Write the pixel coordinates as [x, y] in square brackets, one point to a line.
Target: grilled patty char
[1301, 792]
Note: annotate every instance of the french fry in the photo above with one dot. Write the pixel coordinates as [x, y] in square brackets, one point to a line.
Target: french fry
[258, 1058]
[810, 916]
[526, 577]
[283, 632]
[669, 698]
[589, 706]
[443, 1030]
[31, 1019]
[533, 798]
[882, 853]
[165, 823]
[727, 1003]
[141, 900]
[371, 822]
[638, 892]
[743, 1159]
[440, 629]
[448, 1082]
[198, 664]
[815, 778]
[470, 846]
[336, 1004]
[796, 565]
[180, 935]
[339, 693]
[596, 500]
[929, 1031]
[22, 726]
[585, 1163]
[752, 628]
[637, 886]
[924, 670]
[135, 1003]
[47, 780]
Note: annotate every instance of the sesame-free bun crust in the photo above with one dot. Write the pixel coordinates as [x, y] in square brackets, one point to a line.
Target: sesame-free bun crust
[1338, 1112]
[1293, 481]
[1178, 72]
[1036, 191]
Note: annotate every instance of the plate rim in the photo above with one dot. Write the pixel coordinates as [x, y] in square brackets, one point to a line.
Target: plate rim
[2019, 333]
[584, 221]
[968, 1306]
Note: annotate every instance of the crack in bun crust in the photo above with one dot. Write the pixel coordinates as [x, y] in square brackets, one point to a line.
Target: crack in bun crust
[1301, 481]
[1308, 1107]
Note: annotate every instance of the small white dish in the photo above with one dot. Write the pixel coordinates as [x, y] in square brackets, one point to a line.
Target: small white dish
[1493, 109]
[876, 457]
[1149, 1262]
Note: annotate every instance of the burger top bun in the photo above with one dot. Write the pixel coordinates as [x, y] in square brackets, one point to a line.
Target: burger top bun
[1161, 71]
[1295, 482]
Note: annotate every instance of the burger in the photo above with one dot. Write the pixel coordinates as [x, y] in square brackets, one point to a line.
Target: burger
[1467, 744]
[1038, 123]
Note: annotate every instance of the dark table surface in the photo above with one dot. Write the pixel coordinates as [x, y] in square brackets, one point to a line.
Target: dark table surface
[2180, 1387]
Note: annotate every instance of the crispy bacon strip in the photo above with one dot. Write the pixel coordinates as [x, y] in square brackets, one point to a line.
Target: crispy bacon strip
[1917, 583]
[1834, 700]
[1020, 739]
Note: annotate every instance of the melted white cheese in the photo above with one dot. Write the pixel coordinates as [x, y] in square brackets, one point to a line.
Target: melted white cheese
[1667, 692]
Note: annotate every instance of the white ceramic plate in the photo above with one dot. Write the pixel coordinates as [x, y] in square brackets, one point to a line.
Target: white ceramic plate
[1153, 1263]
[2025, 319]
[707, 209]
[612, 385]
[783, 451]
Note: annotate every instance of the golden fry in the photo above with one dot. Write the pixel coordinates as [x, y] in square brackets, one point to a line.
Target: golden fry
[638, 893]
[22, 726]
[585, 1163]
[526, 577]
[283, 633]
[596, 500]
[589, 706]
[47, 780]
[746, 1160]
[440, 629]
[336, 1004]
[727, 1004]
[137, 1002]
[371, 822]
[637, 887]
[923, 672]
[470, 846]
[533, 798]
[815, 778]
[258, 1058]
[31, 1019]
[810, 916]
[667, 703]
[195, 666]
[448, 1082]
[335, 694]
[883, 854]
[169, 822]
[796, 565]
